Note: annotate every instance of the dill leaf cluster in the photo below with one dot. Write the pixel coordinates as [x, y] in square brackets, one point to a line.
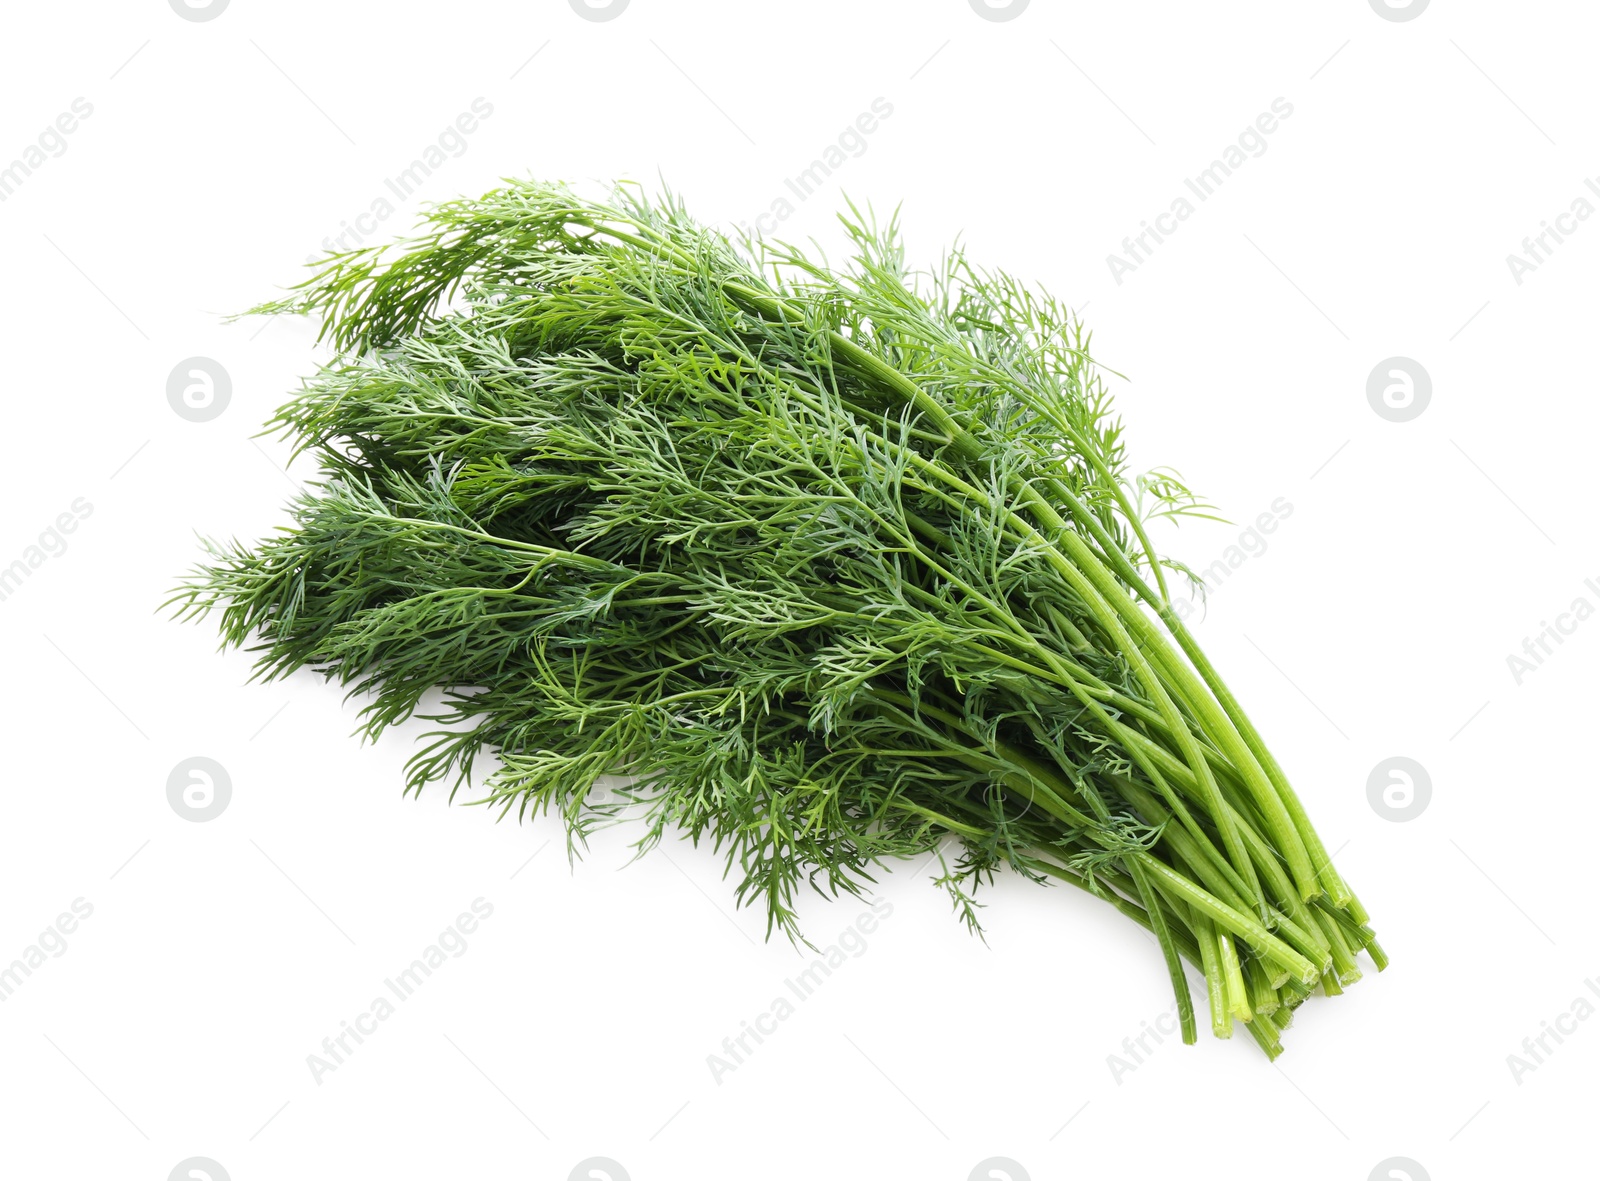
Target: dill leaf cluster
[839, 565]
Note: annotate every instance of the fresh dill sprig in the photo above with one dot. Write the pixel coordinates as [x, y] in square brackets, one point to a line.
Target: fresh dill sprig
[841, 566]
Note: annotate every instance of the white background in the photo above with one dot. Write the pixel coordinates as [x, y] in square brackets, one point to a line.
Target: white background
[1378, 621]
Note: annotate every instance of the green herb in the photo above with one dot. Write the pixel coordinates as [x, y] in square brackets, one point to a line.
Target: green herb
[841, 566]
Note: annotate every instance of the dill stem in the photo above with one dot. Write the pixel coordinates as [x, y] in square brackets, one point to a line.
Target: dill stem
[1263, 997]
[1344, 964]
[1082, 586]
[1169, 950]
[1322, 864]
[1319, 866]
[1233, 978]
[1235, 922]
[1054, 799]
[1264, 1033]
[1216, 987]
[1262, 855]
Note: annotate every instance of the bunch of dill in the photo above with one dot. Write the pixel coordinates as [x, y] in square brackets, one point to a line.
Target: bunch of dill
[840, 566]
